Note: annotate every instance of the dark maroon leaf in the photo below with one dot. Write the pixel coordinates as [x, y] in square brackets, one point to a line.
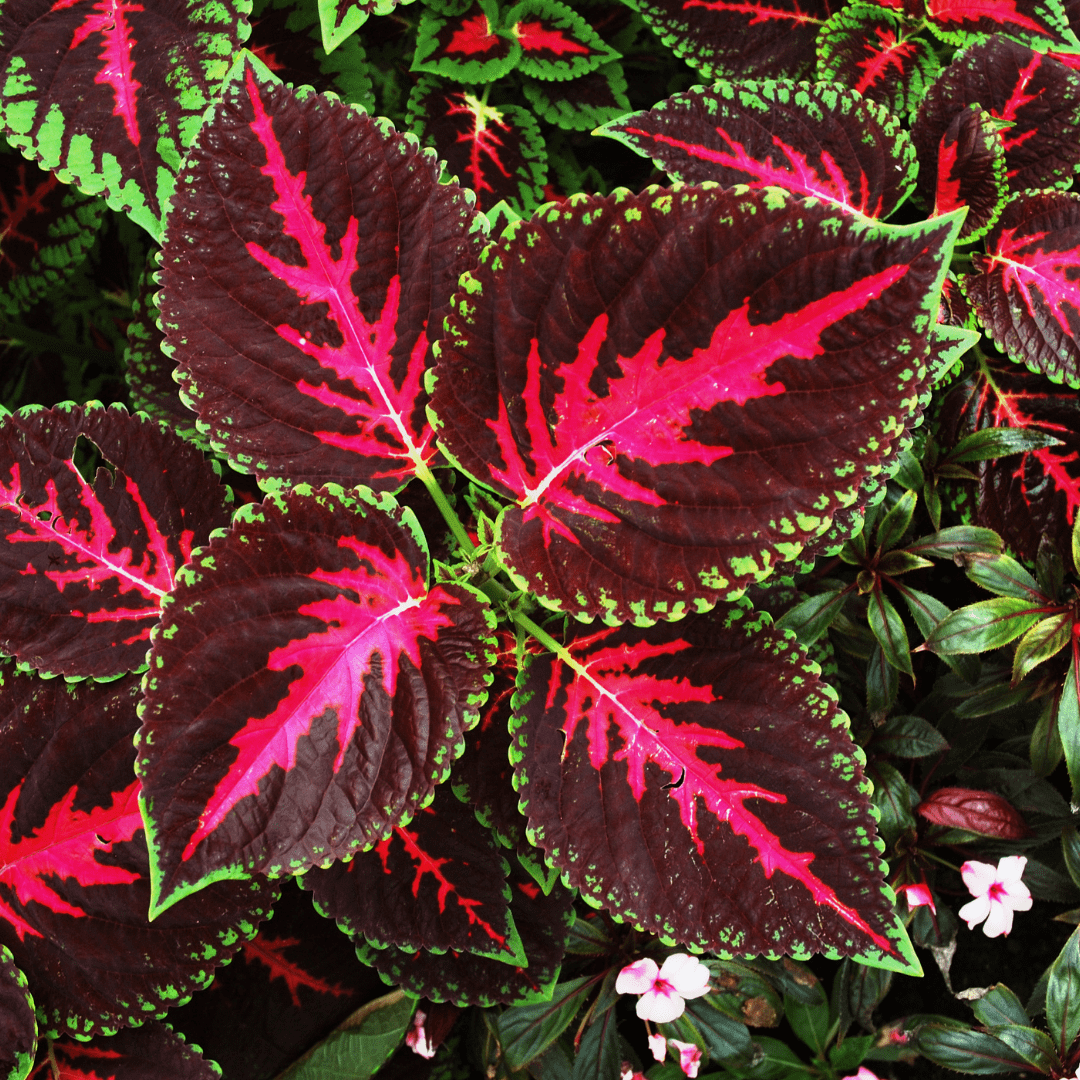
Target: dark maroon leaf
[980, 812]
[84, 567]
[1037, 97]
[110, 94]
[305, 357]
[307, 691]
[75, 883]
[697, 780]
[817, 140]
[18, 1024]
[620, 367]
[1026, 288]
[878, 53]
[962, 21]
[543, 919]
[437, 883]
[151, 1052]
[741, 39]
[496, 151]
[971, 171]
[287, 989]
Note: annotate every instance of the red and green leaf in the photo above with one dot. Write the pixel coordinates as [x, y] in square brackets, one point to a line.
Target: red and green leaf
[971, 171]
[469, 48]
[496, 151]
[438, 883]
[818, 140]
[339, 19]
[878, 53]
[697, 779]
[305, 359]
[543, 918]
[1034, 21]
[1025, 288]
[17, 1021]
[110, 92]
[741, 39]
[307, 690]
[556, 42]
[47, 229]
[85, 565]
[580, 104]
[1036, 97]
[75, 871]
[620, 368]
[1036, 494]
[150, 1052]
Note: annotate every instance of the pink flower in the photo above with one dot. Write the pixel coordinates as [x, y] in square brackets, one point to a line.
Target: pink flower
[998, 892]
[416, 1039]
[918, 895]
[689, 1057]
[628, 1072]
[863, 1074]
[664, 990]
[658, 1046]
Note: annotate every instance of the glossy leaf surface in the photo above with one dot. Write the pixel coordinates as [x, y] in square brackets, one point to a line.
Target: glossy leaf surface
[698, 780]
[982, 812]
[307, 690]
[305, 358]
[627, 384]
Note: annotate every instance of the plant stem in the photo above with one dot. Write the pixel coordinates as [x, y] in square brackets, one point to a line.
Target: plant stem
[427, 478]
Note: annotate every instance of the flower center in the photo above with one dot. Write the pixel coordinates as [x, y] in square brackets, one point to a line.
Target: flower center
[997, 891]
[663, 987]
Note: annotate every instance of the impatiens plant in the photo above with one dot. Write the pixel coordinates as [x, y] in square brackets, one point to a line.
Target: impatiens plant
[497, 575]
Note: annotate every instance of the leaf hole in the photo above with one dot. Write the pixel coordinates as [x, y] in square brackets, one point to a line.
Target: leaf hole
[676, 784]
[88, 459]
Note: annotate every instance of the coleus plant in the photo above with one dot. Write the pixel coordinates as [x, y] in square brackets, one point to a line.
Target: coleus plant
[479, 653]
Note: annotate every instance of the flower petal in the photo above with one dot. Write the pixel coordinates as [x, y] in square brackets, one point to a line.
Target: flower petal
[658, 1046]
[689, 1057]
[999, 921]
[978, 877]
[638, 977]
[687, 974]
[1010, 869]
[974, 911]
[659, 1006]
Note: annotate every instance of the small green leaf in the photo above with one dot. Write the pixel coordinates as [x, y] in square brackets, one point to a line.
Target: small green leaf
[1063, 995]
[600, 1054]
[1045, 639]
[813, 616]
[967, 1050]
[995, 442]
[526, 1031]
[1004, 576]
[1070, 849]
[1076, 544]
[1032, 1045]
[1046, 750]
[1000, 1008]
[895, 563]
[726, 1039]
[889, 629]
[909, 737]
[1068, 723]
[895, 523]
[882, 683]
[957, 540]
[894, 797]
[810, 1022]
[983, 626]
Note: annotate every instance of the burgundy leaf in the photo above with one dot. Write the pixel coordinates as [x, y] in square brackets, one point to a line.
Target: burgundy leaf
[621, 368]
[75, 878]
[91, 88]
[18, 1024]
[494, 150]
[1022, 497]
[437, 883]
[741, 39]
[697, 780]
[543, 919]
[308, 690]
[1036, 96]
[1025, 288]
[971, 171]
[300, 288]
[810, 139]
[878, 53]
[961, 21]
[84, 566]
[151, 1052]
[980, 812]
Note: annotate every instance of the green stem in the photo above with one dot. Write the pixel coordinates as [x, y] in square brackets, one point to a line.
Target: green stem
[427, 478]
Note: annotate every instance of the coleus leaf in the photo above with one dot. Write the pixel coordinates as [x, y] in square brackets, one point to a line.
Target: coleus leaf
[468, 48]
[438, 883]
[1024, 289]
[111, 94]
[305, 359]
[84, 566]
[818, 140]
[542, 918]
[47, 229]
[18, 1024]
[1036, 96]
[697, 780]
[1037, 494]
[960, 22]
[307, 690]
[878, 53]
[496, 151]
[619, 368]
[150, 1052]
[339, 19]
[556, 42]
[740, 39]
[580, 104]
[75, 877]
[971, 171]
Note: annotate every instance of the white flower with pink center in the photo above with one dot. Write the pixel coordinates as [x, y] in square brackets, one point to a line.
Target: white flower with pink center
[664, 990]
[998, 892]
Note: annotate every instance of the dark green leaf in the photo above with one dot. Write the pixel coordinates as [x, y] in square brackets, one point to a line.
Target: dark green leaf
[894, 563]
[1070, 849]
[894, 797]
[813, 616]
[1004, 576]
[526, 1031]
[909, 737]
[1068, 721]
[882, 683]
[1046, 749]
[726, 1039]
[810, 1022]
[956, 540]
[600, 1053]
[908, 472]
[1032, 1045]
[851, 1053]
[889, 629]
[1063, 995]
[967, 1050]
[895, 523]
[995, 442]
[1000, 1008]
[1045, 639]
[983, 626]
